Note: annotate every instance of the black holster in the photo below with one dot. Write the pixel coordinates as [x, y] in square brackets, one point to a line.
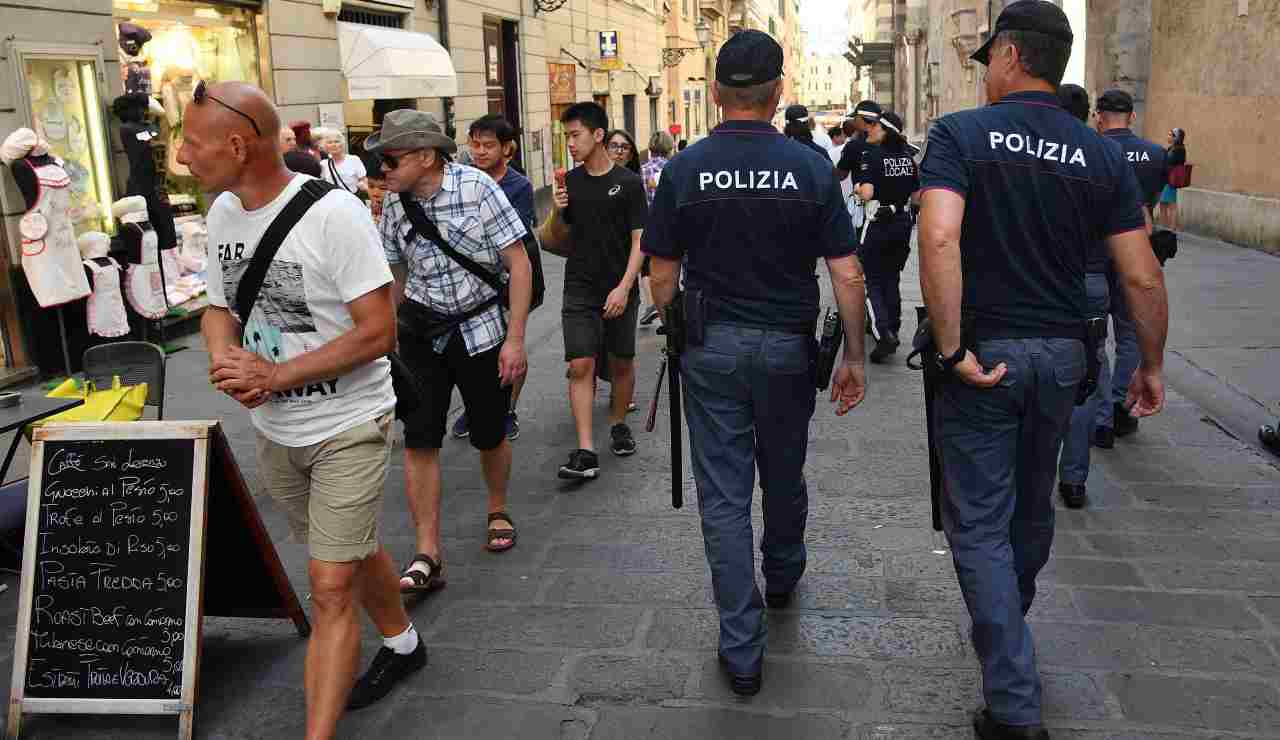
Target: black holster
[1095, 336]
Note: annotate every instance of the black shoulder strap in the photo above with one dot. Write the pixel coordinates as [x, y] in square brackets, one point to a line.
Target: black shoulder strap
[251, 281]
[427, 229]
[337, 176]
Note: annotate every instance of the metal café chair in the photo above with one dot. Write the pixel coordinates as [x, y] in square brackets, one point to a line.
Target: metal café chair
[134, 362]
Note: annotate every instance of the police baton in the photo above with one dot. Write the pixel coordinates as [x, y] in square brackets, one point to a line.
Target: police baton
[924, 356]
[652, 420]
[673, 320]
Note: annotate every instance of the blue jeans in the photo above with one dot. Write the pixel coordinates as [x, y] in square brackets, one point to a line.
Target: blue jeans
[1073, 467]
[1126, 338]
[749, 396]
[999, 450]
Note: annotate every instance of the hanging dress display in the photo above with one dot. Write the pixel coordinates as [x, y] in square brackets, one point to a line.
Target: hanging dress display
[144, 287]
[105, 307]
[50, 257]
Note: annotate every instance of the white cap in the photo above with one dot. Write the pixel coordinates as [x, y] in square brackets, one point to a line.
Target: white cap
[22, 143]
[127, 209]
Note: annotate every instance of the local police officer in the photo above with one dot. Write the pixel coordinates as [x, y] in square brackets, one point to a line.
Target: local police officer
[886, 181]
[751, 213]
[1115, 116]
[865, 115]
[1014, 194]
[1073, 464]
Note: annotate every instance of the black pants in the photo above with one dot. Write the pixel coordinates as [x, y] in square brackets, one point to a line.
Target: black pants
[884, 254]
[476, 377]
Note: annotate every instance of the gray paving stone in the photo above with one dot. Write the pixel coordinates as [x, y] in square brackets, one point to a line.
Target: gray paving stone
[908, 596]
[896, 731]
[683, 588]
[501, 670]
[1247, 706]
[1222, 523]
[844, 561]
[1140, 647]
[1265, 497]
[866, 637]
[627, 558]
[796, 685]
[1269, 607]
[681, 723]
[924, 565]
[1053, 602]
[1256, 578]
[859, 595]
[537, 626]
[652, 677]
[1209, 611]
[921, 690]
[1090, 572]
[1178, 547]
[684, 629]
[474, 717]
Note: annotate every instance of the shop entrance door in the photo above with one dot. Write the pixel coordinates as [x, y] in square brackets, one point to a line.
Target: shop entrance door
[629, 114]
[502, 73]
[495, 73]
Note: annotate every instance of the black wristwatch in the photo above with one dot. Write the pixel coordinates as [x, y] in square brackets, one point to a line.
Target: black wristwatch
[947, 364]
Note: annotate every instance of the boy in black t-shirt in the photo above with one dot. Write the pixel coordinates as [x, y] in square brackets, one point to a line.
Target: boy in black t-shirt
[605, 208]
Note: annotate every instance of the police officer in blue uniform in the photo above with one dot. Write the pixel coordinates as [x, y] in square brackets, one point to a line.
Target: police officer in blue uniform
[1115, 118]
[865, 115]
[751, 213]
[886, 182]
[1014, 195]
[799, 128]
[1073, 464]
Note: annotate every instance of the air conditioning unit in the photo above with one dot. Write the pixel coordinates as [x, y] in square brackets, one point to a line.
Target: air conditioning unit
[654, 88]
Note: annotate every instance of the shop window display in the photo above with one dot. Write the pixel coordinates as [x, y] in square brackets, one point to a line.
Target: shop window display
[67, 112]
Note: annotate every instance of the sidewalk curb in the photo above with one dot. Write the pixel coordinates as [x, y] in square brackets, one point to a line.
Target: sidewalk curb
[1233, 410]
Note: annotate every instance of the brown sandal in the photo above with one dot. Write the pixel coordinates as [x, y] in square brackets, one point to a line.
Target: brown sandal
[423, 583]
[500, 534]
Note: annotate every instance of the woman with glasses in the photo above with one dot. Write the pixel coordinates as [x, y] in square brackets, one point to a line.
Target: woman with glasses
[1176, 155]
[622, 150]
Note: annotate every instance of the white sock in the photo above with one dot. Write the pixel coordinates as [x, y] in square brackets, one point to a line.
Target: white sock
[404, 643]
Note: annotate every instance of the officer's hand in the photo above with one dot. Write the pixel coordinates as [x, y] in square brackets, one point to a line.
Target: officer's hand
[616, 303]
[562, 198]
[848, 387]
[972, 372]
[1146, 393]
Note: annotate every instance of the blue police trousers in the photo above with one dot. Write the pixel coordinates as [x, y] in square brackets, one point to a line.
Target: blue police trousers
[883, 254]
[999, 449]
[749, 396]
[1073, 467]
[1126, 339]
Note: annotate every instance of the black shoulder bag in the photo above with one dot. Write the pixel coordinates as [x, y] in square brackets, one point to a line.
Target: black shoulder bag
[408, 394]
[427, 229]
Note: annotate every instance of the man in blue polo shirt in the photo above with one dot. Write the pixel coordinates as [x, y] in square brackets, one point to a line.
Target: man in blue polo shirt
[751, 213]
[1015, 196]
[1114, 119]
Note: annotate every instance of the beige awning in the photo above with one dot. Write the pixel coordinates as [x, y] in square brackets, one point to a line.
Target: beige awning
[390, 63]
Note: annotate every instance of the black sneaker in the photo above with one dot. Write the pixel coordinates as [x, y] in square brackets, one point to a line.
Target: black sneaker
[985, 727]
[743, 685]
[885, 347]
[650, 316]
[780, 600]
[384, 673]
[623, 443]
[513, 426]
[1104, 438]
[583, 464]
[1073, 495]
[461, 429]
[1125, 424]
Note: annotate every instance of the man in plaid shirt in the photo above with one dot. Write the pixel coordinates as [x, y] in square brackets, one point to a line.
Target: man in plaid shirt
[452, 328]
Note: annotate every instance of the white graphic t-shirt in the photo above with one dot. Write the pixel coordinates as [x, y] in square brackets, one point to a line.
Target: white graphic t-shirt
[332, 257]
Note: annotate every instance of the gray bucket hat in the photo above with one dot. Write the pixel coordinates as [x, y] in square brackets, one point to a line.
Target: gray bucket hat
[410, 129]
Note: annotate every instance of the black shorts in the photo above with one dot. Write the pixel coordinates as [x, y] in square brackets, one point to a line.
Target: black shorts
[586, 330]
[486, 401]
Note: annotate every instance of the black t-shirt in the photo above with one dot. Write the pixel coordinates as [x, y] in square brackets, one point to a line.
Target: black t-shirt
[855, 148]
[751, 213]
[1040, 190]
[1147, 160]
[602, 213]
[892, 174]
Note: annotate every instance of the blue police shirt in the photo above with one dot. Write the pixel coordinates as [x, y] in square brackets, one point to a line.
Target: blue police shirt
[1147, 160]
[751, 212]
[1040, 188]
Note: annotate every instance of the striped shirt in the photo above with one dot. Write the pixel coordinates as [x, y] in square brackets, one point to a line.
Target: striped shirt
[477, 220]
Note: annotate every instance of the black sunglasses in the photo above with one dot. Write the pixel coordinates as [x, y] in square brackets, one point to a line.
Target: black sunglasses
[201, 94]
[392, 161]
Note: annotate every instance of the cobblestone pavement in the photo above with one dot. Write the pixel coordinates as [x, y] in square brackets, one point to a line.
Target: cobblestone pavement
[1159, 614]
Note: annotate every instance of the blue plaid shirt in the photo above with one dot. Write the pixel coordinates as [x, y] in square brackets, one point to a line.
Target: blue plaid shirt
[477, 220]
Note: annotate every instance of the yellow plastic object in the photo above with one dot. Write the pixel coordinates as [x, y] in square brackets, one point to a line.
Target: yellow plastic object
[117, 404]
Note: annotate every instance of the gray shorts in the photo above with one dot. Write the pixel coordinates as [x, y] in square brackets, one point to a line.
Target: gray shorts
[586, 329]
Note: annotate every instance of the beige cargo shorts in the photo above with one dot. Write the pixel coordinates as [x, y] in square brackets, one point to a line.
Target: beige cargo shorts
[331, 491]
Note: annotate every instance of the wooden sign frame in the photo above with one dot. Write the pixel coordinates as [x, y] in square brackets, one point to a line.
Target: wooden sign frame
[211, 461]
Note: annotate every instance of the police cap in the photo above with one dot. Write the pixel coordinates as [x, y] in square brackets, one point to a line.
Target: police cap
[1040, 16]
[1115, 101]
[796, 112]
[868, 109]
[749, 58]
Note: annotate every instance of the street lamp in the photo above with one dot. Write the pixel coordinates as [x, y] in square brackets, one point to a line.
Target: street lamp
[671, 56]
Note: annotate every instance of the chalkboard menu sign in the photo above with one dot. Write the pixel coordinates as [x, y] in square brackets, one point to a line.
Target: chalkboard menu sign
[113, 578]
[110, 596]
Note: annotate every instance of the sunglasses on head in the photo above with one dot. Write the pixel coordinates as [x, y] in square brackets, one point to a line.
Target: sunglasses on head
[202, 93]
